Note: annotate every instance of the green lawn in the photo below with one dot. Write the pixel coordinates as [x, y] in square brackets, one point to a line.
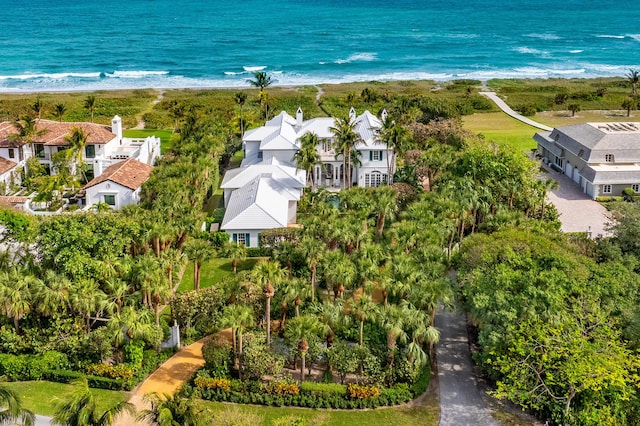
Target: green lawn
[213, 272]
[41, 397]
[164, 135]
[499, 127]
[427, 414]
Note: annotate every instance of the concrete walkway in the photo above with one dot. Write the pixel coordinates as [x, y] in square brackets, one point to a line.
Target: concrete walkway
[578, 212]
[507, 110]
[461, 402]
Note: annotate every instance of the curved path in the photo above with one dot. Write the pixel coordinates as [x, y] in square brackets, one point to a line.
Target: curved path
[507, 110]
[461, 402]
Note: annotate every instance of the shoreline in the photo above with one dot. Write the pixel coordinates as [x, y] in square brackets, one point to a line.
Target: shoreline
[482, 83]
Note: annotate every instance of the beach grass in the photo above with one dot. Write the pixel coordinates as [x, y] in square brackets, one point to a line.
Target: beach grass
[41, 396]
[499, 127]
[213, 271]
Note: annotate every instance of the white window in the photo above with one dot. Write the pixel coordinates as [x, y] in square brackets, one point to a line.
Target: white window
[606, 189]
[635, 187]
[374, 179]
[241, 239]
[376, 156]
[608, 158]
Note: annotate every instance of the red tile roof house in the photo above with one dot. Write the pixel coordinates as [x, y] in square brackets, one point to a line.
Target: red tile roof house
[118, 185]
[9, 174]
[105, 145]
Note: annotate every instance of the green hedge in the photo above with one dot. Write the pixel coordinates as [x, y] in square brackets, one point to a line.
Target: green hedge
[422, 382]
[31, 367]
[68, 376]
[312, 395]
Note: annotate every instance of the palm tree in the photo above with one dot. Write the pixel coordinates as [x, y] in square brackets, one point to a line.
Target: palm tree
[634, 77]
[87, 298]
[574, 108]
[339, 272]
[11, 410]
[52, 294]
[37, 107]
[170, 410]
[392, 319]
[629, 104]
[346, 139]
[361, 308]
[307, 157]
[333, 316]
[159, 293]
[77, 141]
[59, 110]
[267, 274]
[27, 131]
[130, 324]
[299, 331]
[237, 253]
[90, 105]
[262, 80]
[396, 137]
[81, 409]
[238, 318]
[385, 205]
[240, 98]
[312, 249]
[198, 251]
[16, 288]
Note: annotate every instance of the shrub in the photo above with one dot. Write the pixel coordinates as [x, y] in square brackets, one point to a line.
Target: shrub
[421, 383]
[217, 355]
[31, 367]
[111, 371]
[527, 110]
[323, 389]
[362, 392]
[67, 376]
[134, 353]
[212, 383]
[281, 388]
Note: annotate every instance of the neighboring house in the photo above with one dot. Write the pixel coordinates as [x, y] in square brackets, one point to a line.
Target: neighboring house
[280, 137]
[603, 158]
[118, 185]
[105, 145]
[262, 203]
[286, 174]
[8, 175]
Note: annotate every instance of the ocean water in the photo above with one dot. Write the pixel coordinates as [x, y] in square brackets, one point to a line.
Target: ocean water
[60, 45]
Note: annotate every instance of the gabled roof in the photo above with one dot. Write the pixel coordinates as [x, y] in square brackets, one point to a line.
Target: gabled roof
[129, 173]
[262, 203]
[320, 126]
[6, 165]
[285, 173]
[53, 133]
[367, 126]
[277, 134]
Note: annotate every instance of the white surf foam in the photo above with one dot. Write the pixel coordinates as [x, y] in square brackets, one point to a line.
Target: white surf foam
[543, 36]
[135, 74]
[358, 57]
[54, 76]
[610, 36]
[576, 51]
[254, 69]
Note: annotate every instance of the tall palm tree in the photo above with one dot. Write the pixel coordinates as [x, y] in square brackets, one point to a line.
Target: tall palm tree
[198, 251]
[16, 289]
[77, 141]
[385, 206]
[59, 110]
[268, 274]
[159, 293]
[396, 137]
[307, 157]
[339, 272]
[81, 409]
[238, 318]
[392, 319]
[90, 105]
[237, 253]
[629, 104]
[28, 131]
[130, 324]
[52, 294]
[312, 249]
[240, 98]
[634, 78]
[262, 80]
[37, 107]
[86, 298]
[346, 139]
[362, 308]
[11, 410]
[333, 316]
[299, 331]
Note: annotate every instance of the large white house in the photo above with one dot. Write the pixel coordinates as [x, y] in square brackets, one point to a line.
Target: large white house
[105, 145]
[263, 193]
[265, 202]
[280, 137]
[602, 158]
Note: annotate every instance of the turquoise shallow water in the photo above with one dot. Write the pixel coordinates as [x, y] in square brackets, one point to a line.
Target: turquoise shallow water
[109, 44]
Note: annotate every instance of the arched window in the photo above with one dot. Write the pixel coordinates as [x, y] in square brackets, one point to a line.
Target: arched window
[374, 179]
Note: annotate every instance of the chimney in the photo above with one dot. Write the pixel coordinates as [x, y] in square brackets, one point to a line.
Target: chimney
[116, 127]
[299, 117]
[352, 114]
[384, 115]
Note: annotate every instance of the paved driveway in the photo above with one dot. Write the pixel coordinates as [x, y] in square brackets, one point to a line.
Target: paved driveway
[578, 212]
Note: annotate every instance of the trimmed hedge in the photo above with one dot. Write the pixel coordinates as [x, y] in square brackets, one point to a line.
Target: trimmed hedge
[67, 376]
[31, 367]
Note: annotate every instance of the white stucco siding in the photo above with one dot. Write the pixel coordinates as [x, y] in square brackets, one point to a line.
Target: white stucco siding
[123, 196]
[375, 158]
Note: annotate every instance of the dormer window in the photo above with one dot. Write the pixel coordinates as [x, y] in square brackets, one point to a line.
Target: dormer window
[608, 158]
[581, 153]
